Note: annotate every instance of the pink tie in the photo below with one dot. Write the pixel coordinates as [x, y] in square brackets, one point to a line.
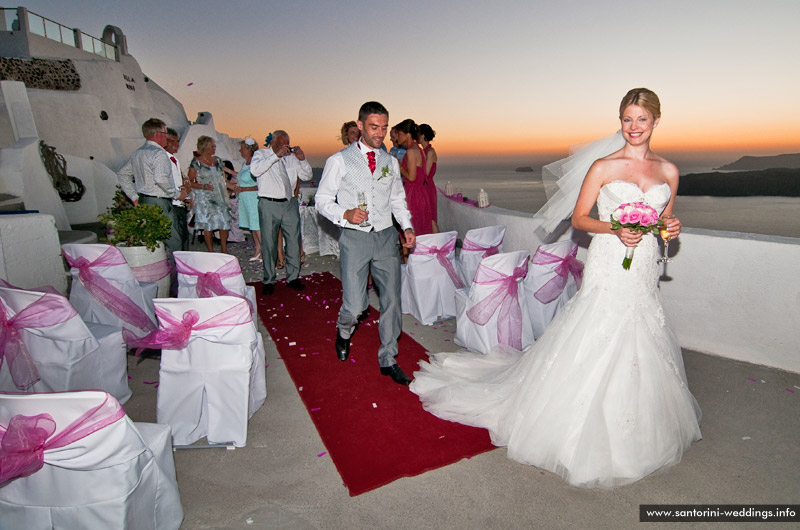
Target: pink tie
[371, 161]
[173, 160]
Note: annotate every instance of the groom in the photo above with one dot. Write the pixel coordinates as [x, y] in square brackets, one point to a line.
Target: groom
[364, 167]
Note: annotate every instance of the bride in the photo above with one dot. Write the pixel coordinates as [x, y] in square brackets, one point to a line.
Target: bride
[601, 398]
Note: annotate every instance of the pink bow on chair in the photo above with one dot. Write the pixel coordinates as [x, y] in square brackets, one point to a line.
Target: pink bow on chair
[441, 256]
[26, 438]
[174, 334]
[567, 265]
[209, 284]
[509, 320]
[48, 310]
[476, 247]
[109, 296]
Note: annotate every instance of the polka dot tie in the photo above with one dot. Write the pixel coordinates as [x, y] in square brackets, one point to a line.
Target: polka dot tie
[371, 161]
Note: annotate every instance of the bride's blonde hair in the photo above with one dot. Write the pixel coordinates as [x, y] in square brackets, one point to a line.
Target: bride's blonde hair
[644, 98]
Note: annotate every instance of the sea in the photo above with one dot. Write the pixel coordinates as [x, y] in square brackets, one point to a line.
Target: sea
[507, 185]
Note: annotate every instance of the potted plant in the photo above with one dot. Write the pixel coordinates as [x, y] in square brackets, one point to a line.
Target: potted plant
[139, 232]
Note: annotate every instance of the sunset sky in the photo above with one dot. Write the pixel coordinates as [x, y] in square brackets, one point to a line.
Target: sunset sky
[518, 77]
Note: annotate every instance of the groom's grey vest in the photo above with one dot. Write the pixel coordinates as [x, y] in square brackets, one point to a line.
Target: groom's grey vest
[377, 187]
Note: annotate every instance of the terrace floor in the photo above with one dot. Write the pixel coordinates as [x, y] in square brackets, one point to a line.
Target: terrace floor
[749, 454]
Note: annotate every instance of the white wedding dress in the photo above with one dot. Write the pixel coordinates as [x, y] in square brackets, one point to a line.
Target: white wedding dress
[601, 398]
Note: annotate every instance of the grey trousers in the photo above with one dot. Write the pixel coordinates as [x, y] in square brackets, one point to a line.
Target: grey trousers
[357, 252]
[283, 216]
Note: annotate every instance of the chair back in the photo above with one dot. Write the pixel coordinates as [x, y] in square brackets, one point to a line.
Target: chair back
[208, 274]
[104, 290]
[479, 243]
[82, 464]
[434, 255]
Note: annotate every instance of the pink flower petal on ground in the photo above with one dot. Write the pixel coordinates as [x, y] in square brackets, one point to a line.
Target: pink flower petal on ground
[323, 453]
[447, 340]
[149, 382]
[315, 409]
[751, 379]
[190, 84]
[790, 390]
[352, 360]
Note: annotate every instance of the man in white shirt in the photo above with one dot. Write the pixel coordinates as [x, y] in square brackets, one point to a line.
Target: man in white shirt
[180, 229]
[368, 238]
[147, 176]
[273, 167]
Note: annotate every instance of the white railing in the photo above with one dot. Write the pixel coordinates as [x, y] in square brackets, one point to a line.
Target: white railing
[733, 295]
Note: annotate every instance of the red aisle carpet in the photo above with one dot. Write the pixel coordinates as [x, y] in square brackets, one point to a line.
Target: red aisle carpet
[375, 431]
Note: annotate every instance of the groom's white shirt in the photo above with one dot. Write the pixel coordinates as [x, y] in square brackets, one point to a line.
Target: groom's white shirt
[347, 172]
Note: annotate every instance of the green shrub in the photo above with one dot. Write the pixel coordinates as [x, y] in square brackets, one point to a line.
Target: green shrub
[138, 226]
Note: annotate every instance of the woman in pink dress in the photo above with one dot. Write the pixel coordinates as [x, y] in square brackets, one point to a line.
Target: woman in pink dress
[413, 169]
[426, 135]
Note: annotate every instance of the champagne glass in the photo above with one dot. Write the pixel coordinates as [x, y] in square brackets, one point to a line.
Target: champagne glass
[362, 205]
[665, 235]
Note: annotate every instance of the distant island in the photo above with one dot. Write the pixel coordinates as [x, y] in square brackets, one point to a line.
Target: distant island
[524, 169]
[776, 182]
[751, 163]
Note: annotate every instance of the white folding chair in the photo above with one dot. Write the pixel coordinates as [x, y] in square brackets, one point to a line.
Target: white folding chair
[56, 349]
[208, 274]
[212, 377]
[554, 277]
[478, 243]
[105, 291]
[429, 280]
[100, 470]
[492, 312]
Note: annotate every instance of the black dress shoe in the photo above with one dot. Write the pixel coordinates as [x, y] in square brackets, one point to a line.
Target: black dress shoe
[364, 314]
[295, 284]
[267, 288]
[342, 347]
[397, 375]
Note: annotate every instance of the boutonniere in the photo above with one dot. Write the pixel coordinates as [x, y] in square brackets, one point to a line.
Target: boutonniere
[384, 172]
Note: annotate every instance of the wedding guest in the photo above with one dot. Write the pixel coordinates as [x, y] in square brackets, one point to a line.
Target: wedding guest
[426, 135]
[147, 176]
[398, 151]
[235, 235]
[350, 133]
[601, 398]
[368, 238]
[248, 196]
[412, 167]
[210, 194]
[180, 228]
[276, 167]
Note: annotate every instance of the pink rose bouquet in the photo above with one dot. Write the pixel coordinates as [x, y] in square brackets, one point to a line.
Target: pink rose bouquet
[636, 216]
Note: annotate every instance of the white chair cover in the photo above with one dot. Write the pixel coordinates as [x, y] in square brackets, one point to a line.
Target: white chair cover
[68, 355]
[496, 292]
[309, 230]
[210, 262]
[327, 236]
[213, 385]
[478, 243]
[429, 280]
[120, 476]
[547, 281]
[120, 277]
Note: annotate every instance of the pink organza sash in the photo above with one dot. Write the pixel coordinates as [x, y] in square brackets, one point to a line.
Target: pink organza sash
[174, 334]
[25, 439]
[476, 247]
[109, 296]
[209, 284]
[49, 310]
[567, 265]
[151, 272]
[509, 320]
[441, 256]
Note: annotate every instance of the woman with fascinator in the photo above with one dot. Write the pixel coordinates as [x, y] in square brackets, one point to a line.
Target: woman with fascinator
[248, 196]
[601, 398]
